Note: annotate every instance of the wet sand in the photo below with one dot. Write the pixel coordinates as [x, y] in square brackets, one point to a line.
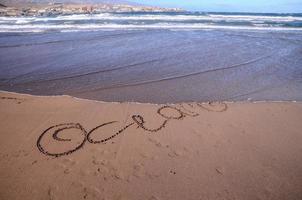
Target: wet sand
[154, 66]
[67, 148]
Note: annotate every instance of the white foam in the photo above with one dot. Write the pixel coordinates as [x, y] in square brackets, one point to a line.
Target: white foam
[107, 16]
[74, 27]
[180, 17]
[257, 17]
[141, 21]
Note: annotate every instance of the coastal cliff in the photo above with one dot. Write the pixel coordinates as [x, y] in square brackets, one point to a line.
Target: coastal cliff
[74, 7]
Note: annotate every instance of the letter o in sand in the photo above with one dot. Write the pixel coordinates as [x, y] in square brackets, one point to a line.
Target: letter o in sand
[56, 132]
[170, 112]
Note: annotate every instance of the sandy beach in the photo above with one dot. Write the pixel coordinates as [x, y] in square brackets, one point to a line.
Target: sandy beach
[67, 148]
[150, 105]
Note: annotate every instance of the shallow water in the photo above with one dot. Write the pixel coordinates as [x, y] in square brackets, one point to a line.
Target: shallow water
[155, 66]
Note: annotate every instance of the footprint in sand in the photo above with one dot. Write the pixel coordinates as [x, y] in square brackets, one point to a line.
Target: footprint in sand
[66, 165]
[138, 170]
[84, 191]
[175, 153]
[96, 161]
[69, 162]
[153, 198]
[155, 142]
[51, 193]
[91, 193]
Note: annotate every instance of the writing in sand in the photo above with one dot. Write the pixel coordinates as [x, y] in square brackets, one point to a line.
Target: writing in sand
[166, 112]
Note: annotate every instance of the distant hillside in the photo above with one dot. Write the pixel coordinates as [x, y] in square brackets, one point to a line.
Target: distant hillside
[69, 7]
[26, 2]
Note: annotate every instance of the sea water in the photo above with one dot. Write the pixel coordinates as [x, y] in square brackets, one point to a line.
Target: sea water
[151, 20]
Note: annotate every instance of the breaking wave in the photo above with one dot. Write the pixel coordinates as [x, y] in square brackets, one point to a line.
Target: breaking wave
[153, 21]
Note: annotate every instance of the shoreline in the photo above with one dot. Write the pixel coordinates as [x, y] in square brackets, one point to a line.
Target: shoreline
[146, 103]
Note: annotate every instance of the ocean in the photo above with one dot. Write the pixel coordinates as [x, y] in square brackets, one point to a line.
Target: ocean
[182, 20]
[154, 57]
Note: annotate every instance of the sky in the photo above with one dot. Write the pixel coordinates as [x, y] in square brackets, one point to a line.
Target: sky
[272, 6]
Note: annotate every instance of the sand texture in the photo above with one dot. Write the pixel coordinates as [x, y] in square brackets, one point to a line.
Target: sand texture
[65, 148]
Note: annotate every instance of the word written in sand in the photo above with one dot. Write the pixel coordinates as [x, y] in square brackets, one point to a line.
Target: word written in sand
[167, 112]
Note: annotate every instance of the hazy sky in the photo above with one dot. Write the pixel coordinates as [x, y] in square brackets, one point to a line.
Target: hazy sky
[230, 5]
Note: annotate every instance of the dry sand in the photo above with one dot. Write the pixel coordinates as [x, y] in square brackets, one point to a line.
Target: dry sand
[65, 148]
